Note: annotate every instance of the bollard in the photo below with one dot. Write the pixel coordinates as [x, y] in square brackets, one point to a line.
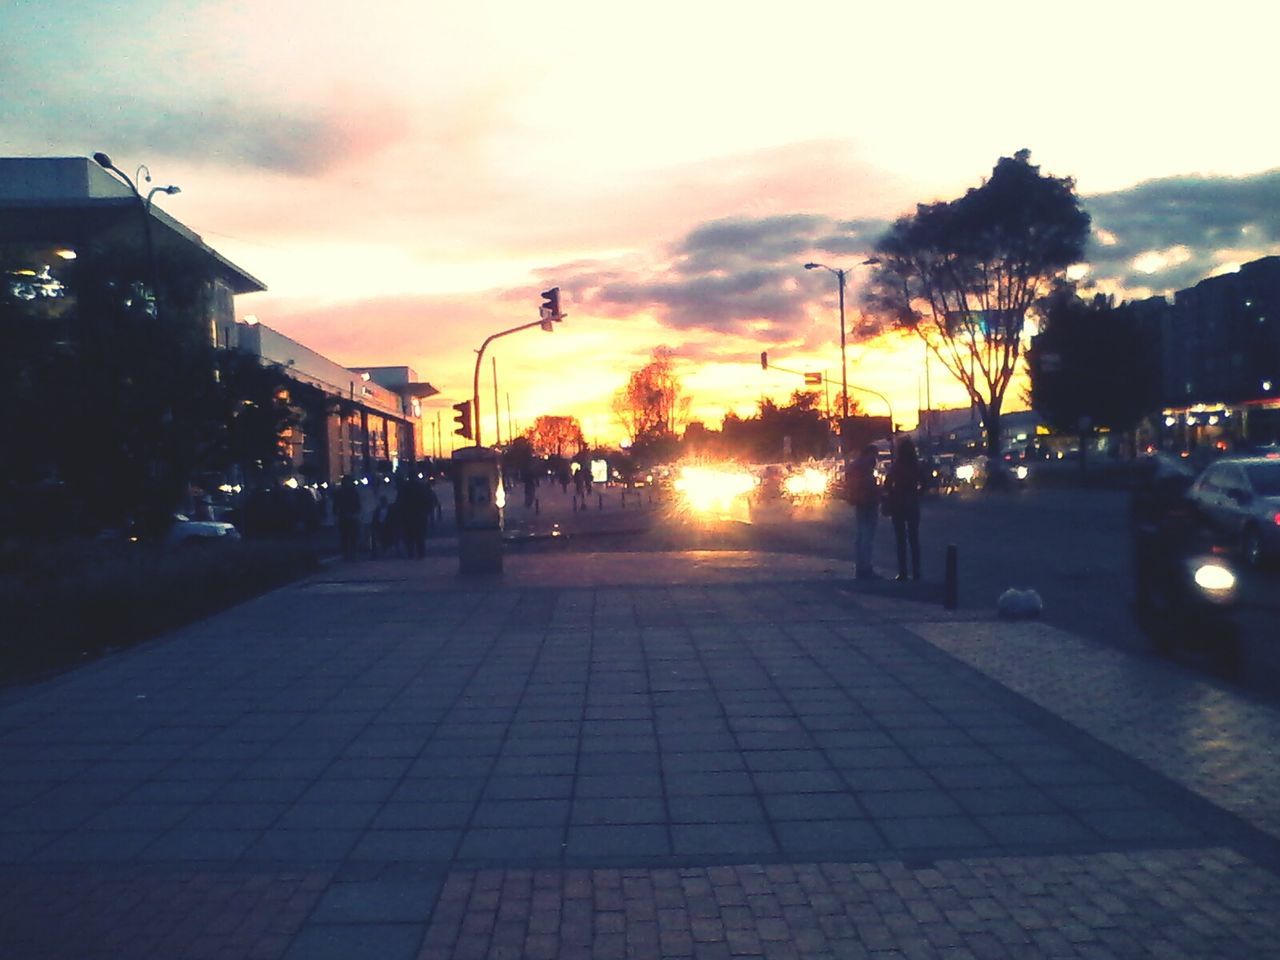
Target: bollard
[599, 501]
[951, 589]
[537, 506]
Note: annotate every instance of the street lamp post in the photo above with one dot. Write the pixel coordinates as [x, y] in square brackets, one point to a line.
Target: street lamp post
[144, 204]
[841, 273]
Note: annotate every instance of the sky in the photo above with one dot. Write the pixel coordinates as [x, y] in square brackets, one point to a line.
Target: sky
[406, 176]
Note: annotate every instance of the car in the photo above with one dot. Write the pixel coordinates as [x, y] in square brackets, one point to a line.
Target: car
[184, 530]
[1240, 498]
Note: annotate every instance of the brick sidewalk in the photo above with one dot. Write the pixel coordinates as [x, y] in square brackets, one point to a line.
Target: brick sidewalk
[704, 754]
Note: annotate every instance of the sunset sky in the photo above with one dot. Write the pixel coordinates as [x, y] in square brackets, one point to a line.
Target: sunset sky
[407, 176]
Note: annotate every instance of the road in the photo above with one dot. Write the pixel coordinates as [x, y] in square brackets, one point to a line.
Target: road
[1070, 545]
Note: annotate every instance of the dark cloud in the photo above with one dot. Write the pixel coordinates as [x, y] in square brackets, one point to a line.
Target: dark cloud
[745, 275]
[244, 135]
[737, 275]
[282, 138]
[1204, 215]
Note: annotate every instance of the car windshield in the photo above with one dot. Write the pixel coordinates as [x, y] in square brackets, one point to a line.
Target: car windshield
[1265, 478]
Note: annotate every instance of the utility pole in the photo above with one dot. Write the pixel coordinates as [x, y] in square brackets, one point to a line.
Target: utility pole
[497, 411]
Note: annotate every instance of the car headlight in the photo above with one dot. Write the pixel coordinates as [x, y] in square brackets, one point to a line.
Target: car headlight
[1214, 578]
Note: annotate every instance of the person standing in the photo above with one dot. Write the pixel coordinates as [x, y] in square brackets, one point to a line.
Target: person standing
[349, 509]
[903, 499]
[414, 510]
[860, 478]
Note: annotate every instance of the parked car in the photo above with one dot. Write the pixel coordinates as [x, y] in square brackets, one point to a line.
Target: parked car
[1240, 498]
[186, 530]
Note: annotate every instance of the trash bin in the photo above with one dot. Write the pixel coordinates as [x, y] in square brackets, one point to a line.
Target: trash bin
[477, 501]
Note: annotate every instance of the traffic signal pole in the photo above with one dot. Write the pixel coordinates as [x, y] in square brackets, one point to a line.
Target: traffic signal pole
[549, 312]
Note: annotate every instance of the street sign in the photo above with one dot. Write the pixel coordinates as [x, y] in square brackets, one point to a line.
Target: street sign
[813, 379]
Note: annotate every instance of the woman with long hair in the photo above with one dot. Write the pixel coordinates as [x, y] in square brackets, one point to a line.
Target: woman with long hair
[903, 499]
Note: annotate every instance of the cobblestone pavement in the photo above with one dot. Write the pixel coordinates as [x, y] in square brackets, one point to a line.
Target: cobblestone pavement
[1186, 903]
[732, 753]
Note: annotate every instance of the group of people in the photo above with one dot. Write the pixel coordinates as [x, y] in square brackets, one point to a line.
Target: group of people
[396, 525]
[899, 500]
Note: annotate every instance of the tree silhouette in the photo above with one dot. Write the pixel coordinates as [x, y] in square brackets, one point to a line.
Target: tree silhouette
[552, 436]
[1085, 365]
[651, 407]
[963, 274]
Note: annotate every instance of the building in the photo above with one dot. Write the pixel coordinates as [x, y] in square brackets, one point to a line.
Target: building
[357, 421]
[1218, 350]
[60, 214]
[63, 219]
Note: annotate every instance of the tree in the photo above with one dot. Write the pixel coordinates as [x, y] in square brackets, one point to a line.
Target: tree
[652, 406]
[518, 458]
[249, 416]
[1084, 365]
[964, 273]
[555, 436]
[762, 438]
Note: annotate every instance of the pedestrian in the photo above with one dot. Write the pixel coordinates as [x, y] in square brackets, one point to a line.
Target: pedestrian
[861, 489]
[348, 508]
[378, 528]
[414, 511]
[902, 488]
[435, 512]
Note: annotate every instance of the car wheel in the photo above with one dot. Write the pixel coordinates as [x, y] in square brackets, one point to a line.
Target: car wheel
[1251, 547]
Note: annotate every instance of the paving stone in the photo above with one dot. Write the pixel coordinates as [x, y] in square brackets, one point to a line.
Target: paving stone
[618, 810]
[909, 803]
[315, 769]
[503, 844]
[722, 839]
[411, 845]
[379, 901]
[591, 842]
[721, 809]
[343, 941]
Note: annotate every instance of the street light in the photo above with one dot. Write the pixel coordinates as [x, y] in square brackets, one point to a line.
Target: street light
[840, 276]
[144, 203]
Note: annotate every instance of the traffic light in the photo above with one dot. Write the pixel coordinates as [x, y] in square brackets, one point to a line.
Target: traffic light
[463, 419]
[764, 359]
[550, 309]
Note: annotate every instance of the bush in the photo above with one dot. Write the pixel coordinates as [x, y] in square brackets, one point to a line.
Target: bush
[69, 601]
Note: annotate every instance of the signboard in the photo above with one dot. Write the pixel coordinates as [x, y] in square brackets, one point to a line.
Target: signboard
[813, 379]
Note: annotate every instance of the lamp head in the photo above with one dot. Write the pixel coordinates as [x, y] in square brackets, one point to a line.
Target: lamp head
[870, 261]
[812, 266]
[172, 189]
[102, 160]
